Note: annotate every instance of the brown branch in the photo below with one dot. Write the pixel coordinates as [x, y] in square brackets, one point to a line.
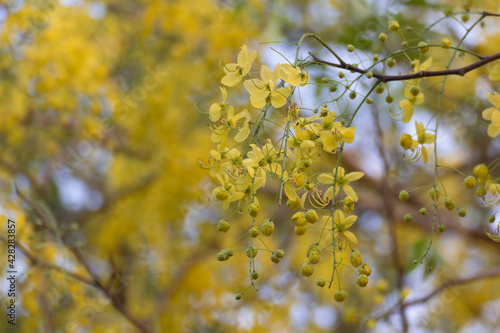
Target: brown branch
[83, 261]
[421, 74]
[445, 285]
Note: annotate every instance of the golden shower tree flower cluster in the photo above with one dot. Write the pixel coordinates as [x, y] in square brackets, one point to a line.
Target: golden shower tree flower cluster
[246, 156]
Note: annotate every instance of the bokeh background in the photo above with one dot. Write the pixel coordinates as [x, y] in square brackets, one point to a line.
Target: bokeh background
[103, 117]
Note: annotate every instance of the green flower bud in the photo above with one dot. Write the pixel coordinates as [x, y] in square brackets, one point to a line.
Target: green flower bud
[300, 230]
[313, 258]
[275, 259]
[445, 43]
[365, 269]
[306, 270]
[229, 253]
[251, 253]
[320, 282]
[238, 297]
[311, 216]
[223, 226]
[352, 95]
[362, 280]
[391, 62]
[408, 218]
[406, 141]
[350, 48]
[279, 253]
[481, 191]
[415, 90]
[448, 203]
[424, 48]
[404, 195]
[333, 88]
[423, 211]
[267, 228]
[462, 212]
[380, 89]
[340, 296]
[254, 275]
[355, 258]
[382, 37]
[341, 75]
[369, 100]
[254, 231]
[220, 194]
[314, 247]
[393, 26]
[221, 256]
[413, 64]
[325, 80]
[369, 75]
[491, 219]
[389, 99]
[481, 171]
[433, 193]
[465, 17]
[470, 182]
[253, 210]
[441, 228]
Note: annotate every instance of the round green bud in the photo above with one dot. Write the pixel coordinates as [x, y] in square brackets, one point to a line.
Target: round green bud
[238, 297]
[404, 195]
[441, 228]
[347, 86]
[413, 64]
[221, 256]
[406, 141]
[481, 171]
[382, 37]
[448, 203]
[300, 230]
[465, 18]
[462, 212]
[254, 231]
[251, 253]
[311, 216]
[415, 262]
[491, 219]
[341, 75]
[389, 99]
[325, 80]
[369, 100]
[369, 75]
[279, 253]
[320, 282]
[229, 253]
[376, 57]
[313, 247]
[275, 259]
[350, 48]
[365, 269]
[267, 227]
[393, 26]
[470, 182]
[299, 219]
[340, 296]
[415, 90]
[391, 62]
[408, 217]
[313, 258]
[220, 194]
[404, 44]
[481, 191]
[254, 275]
[333, 88]
[352, 95]
[355, 258]
[306, 270]
[423, 47]
[223, 226]
[423, 211]
[253, 210]
[445, 43]
[433, 193]
[362, 280]
[380, 89]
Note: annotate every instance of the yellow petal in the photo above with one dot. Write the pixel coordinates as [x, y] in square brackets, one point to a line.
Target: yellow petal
[487, 113]
[326, 178]
[242, 134]
[350, 192]
[407, 108]
[352, 176]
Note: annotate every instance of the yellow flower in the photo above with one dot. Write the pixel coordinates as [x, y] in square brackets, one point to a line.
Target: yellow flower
[216, 108]
[338, 134]
[342, 180]
[341, 224]
[235, 72]
[406, 105]
[263, 91]
[238, 121]
[493, 114]
[494, 74]
[226, 193]
[294, 75]
[417, 146]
